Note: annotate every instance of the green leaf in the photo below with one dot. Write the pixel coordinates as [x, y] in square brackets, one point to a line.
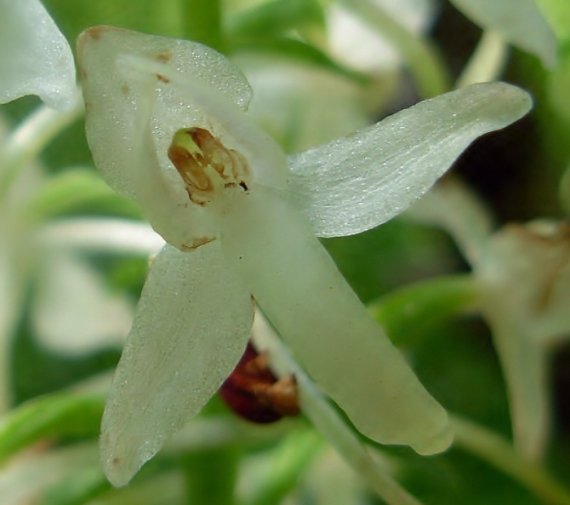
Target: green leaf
[276, 17]
[79, 191]
[148, 16]
[201, 22]
[59, 415]
[77, 489]
[557, 12]
[298, 51]
[411, 312]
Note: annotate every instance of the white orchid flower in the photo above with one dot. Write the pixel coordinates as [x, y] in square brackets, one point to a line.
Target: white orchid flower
[522, 275]
[167, 126]
[35, 58]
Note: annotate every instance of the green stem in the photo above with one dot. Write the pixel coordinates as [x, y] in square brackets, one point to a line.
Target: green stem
[424, 62]
[327, 420]
[487, 61]
[499, 453]
[288, 463]
[30, 137]
[210, 475]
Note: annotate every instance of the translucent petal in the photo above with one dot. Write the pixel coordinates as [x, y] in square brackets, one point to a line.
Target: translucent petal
[190, 329]
[520, 22]
[300, 290]
[358, 182]
[74, 312]
[35, 58]
[173, 84]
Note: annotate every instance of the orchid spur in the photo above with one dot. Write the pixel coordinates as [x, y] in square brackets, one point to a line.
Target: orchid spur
[167, 126]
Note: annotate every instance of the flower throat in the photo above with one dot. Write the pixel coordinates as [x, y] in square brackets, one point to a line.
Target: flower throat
[207, 167]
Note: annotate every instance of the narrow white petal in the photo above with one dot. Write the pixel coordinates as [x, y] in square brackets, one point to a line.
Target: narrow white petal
[74, 312]
[305, 297]
[358, 182]
[520, 22]
[35, 58]
[190, 329]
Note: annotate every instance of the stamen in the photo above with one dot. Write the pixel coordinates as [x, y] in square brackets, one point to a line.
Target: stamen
[206, 166]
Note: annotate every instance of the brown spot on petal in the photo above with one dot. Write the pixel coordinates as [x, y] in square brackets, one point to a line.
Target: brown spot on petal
[197, 242]
[163, 78]
[95, 32]
[164, 57]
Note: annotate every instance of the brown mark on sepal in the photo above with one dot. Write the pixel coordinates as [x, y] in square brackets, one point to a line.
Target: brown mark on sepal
[197, 242]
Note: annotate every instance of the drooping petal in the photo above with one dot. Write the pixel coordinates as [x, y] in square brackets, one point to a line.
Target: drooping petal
[520, 22]
[358, 182]
[299, 288]
[35, 58]
[190, 329]
[169, 84]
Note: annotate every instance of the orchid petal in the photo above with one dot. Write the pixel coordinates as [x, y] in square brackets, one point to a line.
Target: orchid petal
[300, 290]
[520, 22]
[191, 327]
[35, 58]
[165, 84]
[358, 182]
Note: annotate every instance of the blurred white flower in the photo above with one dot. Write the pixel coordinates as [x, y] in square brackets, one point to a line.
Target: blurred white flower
[167, 127]
[522, 273]
[362, 47]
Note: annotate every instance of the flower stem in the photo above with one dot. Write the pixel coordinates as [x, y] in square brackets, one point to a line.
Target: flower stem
[487, 61]
[327, 420]
[499, 453]
[30, 137]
